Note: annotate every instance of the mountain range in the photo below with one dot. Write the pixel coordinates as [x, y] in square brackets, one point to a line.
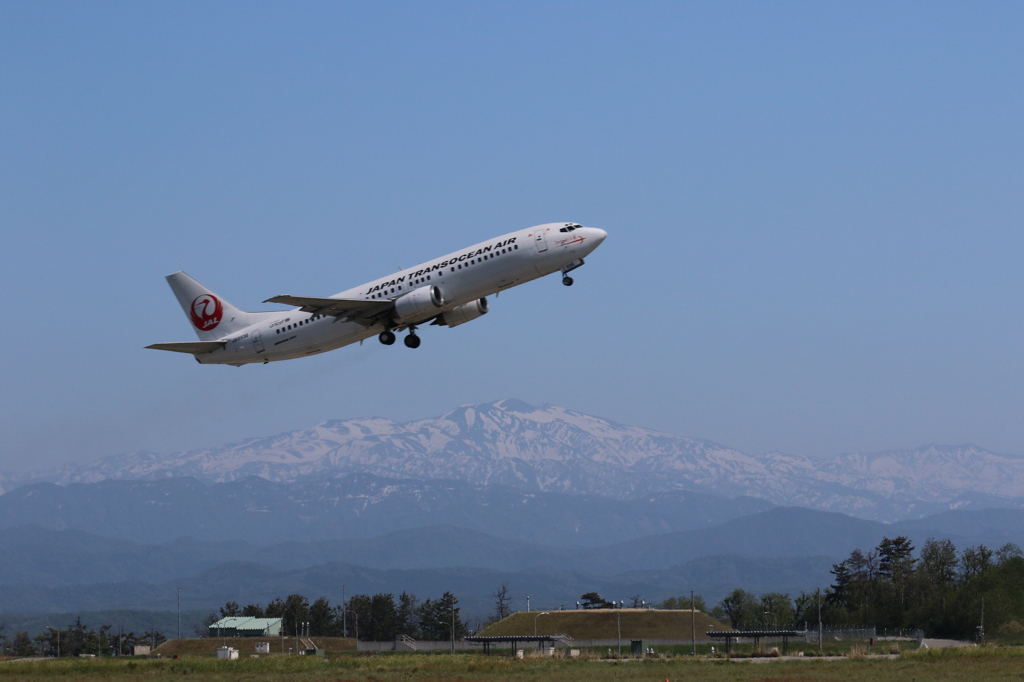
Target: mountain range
[550, 449]
[782, 549]
[555, 502]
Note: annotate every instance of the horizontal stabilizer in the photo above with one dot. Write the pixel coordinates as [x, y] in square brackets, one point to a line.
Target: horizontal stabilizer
[333, 306]
[190, 346]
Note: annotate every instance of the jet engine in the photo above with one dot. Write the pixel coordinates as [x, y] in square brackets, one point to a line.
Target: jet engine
[465, 312]
[419, 304]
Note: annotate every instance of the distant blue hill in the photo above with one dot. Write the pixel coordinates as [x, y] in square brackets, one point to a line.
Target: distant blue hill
[356, 506]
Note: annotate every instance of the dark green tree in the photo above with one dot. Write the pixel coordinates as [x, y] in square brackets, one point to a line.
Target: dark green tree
[153, 637]
[741, 608]
[203, 629]
[974, 562]
[683, 603]
[383, 621]
[22, 645]
[253, 611]
[275, 609]
[438, 617]
[1007, 552]
[359, 614]
[776, 611]
[895, 566]
[408, 615]
[841, 590]
[230, 609]
[592, 600]
[296, 610]
[322, 618]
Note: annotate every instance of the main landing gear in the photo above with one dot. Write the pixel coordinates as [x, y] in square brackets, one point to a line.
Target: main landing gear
[411, 341]
[569, 267]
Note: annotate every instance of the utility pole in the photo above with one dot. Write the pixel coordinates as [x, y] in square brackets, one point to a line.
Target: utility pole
[693, 625]
[819, 622]
[618, 630]
[344, 614]
[179, 613]
[981, 628]
[453, 627]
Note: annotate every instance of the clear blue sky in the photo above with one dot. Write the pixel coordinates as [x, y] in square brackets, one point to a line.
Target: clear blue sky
[814, 214]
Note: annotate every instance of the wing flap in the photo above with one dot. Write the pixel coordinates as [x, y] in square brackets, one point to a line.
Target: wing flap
[190, 346]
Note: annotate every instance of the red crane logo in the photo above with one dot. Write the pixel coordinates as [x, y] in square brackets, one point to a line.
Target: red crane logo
[206, 312]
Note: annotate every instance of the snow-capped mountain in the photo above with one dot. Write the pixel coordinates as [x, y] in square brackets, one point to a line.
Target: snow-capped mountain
[553, 449]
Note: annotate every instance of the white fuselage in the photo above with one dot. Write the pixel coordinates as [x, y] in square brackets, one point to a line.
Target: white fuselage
[462, 276]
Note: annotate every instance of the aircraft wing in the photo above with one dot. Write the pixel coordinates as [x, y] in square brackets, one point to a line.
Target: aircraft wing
[190, 346]
[357, 310]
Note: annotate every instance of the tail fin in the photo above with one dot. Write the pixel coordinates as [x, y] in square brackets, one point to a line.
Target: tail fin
[210, 315]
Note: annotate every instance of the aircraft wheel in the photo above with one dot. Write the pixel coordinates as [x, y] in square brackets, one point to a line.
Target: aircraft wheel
[567, 281]
[387, 338]
[412, 341]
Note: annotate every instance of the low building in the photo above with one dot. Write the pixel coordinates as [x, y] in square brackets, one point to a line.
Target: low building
[243, 626]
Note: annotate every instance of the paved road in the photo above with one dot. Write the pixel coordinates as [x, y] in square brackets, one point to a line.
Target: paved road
[944, 643]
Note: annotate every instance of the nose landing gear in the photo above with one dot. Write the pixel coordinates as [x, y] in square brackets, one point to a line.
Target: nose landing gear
[569, 267]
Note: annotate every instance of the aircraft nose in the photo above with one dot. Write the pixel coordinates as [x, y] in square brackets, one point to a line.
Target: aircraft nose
[598, 235]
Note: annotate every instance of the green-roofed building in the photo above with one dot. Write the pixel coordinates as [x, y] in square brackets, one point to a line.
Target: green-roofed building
[243, 626]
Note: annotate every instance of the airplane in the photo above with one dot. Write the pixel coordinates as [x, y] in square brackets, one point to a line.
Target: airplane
[447, 291]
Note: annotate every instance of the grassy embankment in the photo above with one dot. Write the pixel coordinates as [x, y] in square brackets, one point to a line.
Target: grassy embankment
[965, 665]
[604, 623]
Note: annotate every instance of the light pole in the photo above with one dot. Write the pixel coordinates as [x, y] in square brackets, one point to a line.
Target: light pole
[356, 617]
[179, 613]
[543, 613]
[58, 638]
[527, 603]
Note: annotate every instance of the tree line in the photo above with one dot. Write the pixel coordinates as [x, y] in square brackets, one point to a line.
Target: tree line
[378, 617]
[943, 591]
[962, 594]
[79, 639]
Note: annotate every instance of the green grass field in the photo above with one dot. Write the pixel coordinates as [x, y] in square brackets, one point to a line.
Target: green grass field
[945, 664]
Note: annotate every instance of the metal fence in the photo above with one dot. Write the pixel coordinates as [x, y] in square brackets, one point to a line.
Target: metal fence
[840, 634]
